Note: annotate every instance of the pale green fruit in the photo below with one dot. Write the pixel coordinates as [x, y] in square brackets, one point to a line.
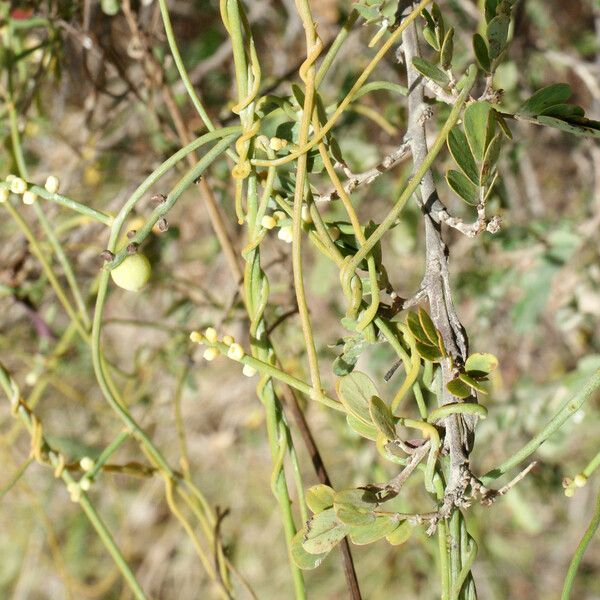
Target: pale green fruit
[133, 273]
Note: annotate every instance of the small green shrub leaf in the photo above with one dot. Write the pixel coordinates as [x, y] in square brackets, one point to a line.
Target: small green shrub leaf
[382, 418]
[319, 497]
[323, 532]
[459, 388]
[478, 126]
[305, 560]
[544, 98]
[462, 155]
[577, 125]
[355, 392]
[428, 352]
[367, 534]
[414, 324]
[497, 34]
[564, 111]
[428, 327]
[481, 362]
[463, 187]
[431, 38]
[471, 382]
[355, 506]
[481, 53]
[363, 429]
[447, 50]
[491, 158]
[401, 534]
[431, 71]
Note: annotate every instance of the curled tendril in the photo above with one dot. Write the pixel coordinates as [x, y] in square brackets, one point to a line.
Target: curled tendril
[311, 58]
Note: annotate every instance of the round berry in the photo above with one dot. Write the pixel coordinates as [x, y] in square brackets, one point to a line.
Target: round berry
[133, 273]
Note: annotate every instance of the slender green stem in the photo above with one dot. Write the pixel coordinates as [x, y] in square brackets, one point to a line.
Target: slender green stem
[340, 38]
[580, 551]
[564, 413]
[24, 414]
[16, 476]
[182, 185]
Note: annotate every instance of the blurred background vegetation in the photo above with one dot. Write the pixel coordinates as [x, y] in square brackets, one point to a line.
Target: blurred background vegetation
[92, 111]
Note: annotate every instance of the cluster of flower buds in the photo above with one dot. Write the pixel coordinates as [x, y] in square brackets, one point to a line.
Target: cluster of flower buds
[211, 339]
[285, 231]
[571, 484]
[18, 186]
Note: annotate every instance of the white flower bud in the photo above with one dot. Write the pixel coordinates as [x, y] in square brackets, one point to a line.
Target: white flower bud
[228, 340]
[17, 185]
[85, 484]
[196, 337]
[268, 222]
[211, 334]
[249, 371]
[210, 354]
[52, 184]
[29, 197]
[285, 234]
[235, 352]
[86, 463]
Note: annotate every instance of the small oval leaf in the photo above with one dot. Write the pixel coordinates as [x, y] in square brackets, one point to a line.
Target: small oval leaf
[355, 392]
[367, 534]
[401, 534]
[431, 71]
[303, 559]
[462, 155]
[319, 497]
[382, 418]
[463, 187]
[362, 428]
[481, 362]
[459, 388]
[481, 53]
[323, 532]
[355, 506]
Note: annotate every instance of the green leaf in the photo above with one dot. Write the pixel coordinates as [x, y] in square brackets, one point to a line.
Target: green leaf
[431, 71]
[463, 187]
[355, 506]
[564, 111]
[355, 392]
[401, 534]
[481, 362]
[503, 125]
[481, 53]
[415, 327]
[382, 417]
[428, 327]
[438, 19]
[459, 388]
[491, 158]
[428, 352]
[497, 34]
[543, 99]
[447, 49]
[431, 38]
[305, 560]
[319, 497]
[362, 428]
[490, 9]
[323, 532]
[471, 382]
[478, 124]
[577, 126]
[367, 534]
[462, 155]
